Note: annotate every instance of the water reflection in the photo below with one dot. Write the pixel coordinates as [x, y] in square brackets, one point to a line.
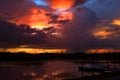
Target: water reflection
[49, 70]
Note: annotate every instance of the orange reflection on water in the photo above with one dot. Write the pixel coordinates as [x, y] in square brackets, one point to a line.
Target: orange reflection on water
[33, 50]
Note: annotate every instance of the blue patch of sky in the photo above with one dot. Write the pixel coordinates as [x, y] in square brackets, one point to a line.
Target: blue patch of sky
[89, 3]
[40, 2]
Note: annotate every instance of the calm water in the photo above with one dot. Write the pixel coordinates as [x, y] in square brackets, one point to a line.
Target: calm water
[46, 70]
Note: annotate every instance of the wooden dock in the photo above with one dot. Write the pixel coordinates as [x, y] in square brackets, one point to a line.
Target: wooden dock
[98, 71]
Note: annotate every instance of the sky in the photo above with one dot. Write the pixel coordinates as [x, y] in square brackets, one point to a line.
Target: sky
[59, 26]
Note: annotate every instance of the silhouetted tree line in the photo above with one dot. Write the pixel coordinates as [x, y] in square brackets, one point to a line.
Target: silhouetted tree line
[22, 56]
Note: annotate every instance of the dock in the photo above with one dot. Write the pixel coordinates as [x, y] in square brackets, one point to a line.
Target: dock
[98, 71]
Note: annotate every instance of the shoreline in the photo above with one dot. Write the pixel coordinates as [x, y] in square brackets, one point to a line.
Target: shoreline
[51, 56]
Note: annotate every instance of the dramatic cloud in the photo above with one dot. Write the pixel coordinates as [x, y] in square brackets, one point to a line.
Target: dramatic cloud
[77, 34]
[75, 25]
[79, 2]
[15, 8]
[65, 4]
[105, 8]
[13, 35]
[23, 11]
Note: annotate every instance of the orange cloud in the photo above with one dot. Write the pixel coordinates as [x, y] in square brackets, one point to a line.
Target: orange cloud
[103, 34]
[38, 19]
[102, 50]
[116, 22]
[65, 4]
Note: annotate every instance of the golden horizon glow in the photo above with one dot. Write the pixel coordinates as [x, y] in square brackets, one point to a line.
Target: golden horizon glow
[102, 50]
[33, 50]
[116, 22]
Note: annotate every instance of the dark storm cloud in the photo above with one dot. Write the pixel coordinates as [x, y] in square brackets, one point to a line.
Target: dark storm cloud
[106, 8]
[49, 30]
[14, 8]
[77, 34]
[19, 35]
[79, 2]
[111, 40]
[54, 19]
[59, 21]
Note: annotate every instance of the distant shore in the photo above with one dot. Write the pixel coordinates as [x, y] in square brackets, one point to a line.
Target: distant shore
[21, 56]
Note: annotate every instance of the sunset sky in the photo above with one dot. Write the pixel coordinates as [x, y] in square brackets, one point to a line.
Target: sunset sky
[59, 26]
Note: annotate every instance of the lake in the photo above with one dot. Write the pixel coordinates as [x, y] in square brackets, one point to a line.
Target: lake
[48, 70]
